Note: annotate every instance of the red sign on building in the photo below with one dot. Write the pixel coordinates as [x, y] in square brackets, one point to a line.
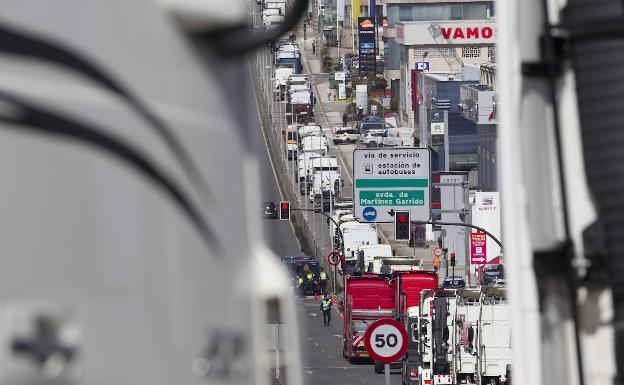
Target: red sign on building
[478, 248]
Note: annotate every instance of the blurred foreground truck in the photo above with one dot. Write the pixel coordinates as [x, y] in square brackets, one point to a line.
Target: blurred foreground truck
[130, 236]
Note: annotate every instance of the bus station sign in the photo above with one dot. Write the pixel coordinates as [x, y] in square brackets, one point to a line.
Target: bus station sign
[391, 179]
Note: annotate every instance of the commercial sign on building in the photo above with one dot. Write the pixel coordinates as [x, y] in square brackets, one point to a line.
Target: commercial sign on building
[367, 46]
[391, 179]
[466, 32]
[437, 128]
[486, 214]
[478, 247]
[422, 66]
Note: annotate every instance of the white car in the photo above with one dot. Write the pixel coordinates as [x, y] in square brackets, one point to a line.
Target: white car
[345, 135]
[373, 138]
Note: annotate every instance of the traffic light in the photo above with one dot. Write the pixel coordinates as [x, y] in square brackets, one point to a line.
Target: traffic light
[452, 259]
[402, 225]
[284, 211]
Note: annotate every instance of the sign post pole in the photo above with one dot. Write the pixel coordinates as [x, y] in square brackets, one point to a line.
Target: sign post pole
[387, 373]
[447, 161]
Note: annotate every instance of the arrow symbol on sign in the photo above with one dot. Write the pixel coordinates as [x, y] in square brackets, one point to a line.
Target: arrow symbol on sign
[312, 314]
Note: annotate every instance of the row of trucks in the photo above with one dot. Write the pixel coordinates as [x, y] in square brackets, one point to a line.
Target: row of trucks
[287, 66]
[290, 85]
[273, 13]
[460, 336]
[316, 172]
[300, 100]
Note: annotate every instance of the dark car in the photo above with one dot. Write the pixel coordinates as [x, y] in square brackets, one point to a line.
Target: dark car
[456, 282]
[270, 210]
[493, 275]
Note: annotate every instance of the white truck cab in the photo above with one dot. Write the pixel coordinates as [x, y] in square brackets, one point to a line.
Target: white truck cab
[356, 234]
[370, 252]
[325, 173]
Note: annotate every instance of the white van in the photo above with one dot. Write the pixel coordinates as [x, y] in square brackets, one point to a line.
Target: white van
[356, 235]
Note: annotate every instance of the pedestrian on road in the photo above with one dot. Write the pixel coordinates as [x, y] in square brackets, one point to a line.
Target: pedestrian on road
[345, 118]
[313, 48]
[334, 96]
[326, 308]
[323, 279]
[436, 263]
[329, 96]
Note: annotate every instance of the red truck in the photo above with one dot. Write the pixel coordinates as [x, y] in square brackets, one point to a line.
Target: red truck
[408, 286]
[368, 297]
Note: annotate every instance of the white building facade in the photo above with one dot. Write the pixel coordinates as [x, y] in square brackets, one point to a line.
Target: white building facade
[439, 47]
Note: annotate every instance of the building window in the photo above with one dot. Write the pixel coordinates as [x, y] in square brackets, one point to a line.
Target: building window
[489, 9]
[457, 12]
[492, 53]
[469, 51]
[422, 54]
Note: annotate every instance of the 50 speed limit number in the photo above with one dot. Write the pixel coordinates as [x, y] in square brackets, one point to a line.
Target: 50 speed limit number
[385, 340]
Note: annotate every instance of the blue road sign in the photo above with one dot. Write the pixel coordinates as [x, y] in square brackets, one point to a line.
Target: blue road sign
[422, 66]
[369, 213]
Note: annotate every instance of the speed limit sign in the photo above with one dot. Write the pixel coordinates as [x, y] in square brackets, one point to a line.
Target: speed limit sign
[385, 340]
[438, 251]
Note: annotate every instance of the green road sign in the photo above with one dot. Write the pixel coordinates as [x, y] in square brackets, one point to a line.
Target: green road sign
[392, 198]
[391, 179]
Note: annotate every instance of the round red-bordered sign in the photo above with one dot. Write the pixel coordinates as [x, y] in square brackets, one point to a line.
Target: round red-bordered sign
[385, 340]
[438, 251]
[334, 258]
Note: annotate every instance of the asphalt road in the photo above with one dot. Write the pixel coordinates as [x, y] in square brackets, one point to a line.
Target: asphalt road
[321, 350]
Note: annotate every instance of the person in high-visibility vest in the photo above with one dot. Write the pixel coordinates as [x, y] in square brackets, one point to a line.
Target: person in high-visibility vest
[308, 282]
[300, 284]
[326, 308]
[436, 263]
[323, 278]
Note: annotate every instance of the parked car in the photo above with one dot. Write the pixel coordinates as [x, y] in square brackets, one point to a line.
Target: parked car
[493, 275]
[345, 135]
[270, 210]
[456, 282]
[373, 138]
